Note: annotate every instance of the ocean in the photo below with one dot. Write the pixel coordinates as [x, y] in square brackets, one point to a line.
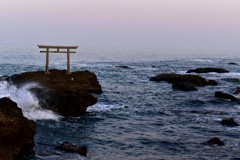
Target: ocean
[134, 118]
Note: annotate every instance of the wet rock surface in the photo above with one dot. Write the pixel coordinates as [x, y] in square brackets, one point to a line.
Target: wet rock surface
[207, 70]
[68, 95]
[17, 132]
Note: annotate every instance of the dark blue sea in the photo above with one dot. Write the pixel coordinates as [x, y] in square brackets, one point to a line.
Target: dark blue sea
[134, 118]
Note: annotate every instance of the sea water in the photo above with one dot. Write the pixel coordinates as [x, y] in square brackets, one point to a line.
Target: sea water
[134, 118]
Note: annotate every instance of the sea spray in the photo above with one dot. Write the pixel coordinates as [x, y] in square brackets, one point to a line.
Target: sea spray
[26, 101]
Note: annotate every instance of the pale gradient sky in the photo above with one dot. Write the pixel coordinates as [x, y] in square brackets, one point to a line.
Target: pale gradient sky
[201, 24]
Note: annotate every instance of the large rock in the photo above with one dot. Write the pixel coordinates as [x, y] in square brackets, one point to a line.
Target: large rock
[207, 70]
[68, 95]
[178, 78]
[16, 131]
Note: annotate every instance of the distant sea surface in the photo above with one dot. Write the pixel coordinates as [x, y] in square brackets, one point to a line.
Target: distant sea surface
[134, 118]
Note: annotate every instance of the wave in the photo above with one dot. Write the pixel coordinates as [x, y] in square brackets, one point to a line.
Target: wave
[103, 107]
[26, 101]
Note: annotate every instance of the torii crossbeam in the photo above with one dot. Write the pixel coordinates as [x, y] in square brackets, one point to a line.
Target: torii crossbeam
[57, 49]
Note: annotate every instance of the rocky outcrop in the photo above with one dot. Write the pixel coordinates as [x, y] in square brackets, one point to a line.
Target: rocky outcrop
[16, 131]
[223, 95]
[229, 122]
[72, 148]
[178, 78]
[68, 95]
[215, 141]
[207, 70]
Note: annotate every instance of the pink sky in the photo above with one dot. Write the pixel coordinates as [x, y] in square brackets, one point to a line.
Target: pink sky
[122, 23]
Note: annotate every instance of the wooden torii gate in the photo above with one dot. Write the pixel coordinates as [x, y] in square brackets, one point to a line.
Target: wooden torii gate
[57, 49]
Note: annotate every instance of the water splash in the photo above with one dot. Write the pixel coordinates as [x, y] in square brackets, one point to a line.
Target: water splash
[26, 101]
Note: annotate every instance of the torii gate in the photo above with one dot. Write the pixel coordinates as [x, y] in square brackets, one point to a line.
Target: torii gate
[57, 49]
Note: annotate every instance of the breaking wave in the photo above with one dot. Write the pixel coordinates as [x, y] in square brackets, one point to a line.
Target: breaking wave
[26, 101]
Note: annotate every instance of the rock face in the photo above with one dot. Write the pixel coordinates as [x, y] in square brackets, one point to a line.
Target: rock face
[72, 148]
[223, 95]
[16, 131]
[68, 95]
[207, 70]
[183, 79]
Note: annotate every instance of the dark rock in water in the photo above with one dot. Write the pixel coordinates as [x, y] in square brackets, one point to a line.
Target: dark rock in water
[184, 86]
[178, 78]
[207, 70]
[68, 95]
[124, 67]
[72, 148]
[237, 91]
[229, 122]
[212, 82]
[233, 63]
[16, 131]
[223, 95]
[216, 141]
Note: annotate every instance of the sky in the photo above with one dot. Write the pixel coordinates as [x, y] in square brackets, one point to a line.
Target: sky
[200, 24]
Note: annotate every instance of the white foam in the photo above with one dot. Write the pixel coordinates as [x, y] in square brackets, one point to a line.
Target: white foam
[182, 72]
[203, 60]
[103, 107]
[26, 101]
[232, 74]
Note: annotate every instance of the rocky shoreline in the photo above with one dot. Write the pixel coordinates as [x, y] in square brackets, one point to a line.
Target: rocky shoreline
[67, 95]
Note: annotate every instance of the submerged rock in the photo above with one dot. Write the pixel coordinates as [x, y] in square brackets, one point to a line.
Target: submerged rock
[229, 122]
[207, 70]
[215, 141]
[124, 67]
[178, 78]
[223, 95]
[68, 95]
[72, 148]
[16, 131]
[233, 63]
[184, 86]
